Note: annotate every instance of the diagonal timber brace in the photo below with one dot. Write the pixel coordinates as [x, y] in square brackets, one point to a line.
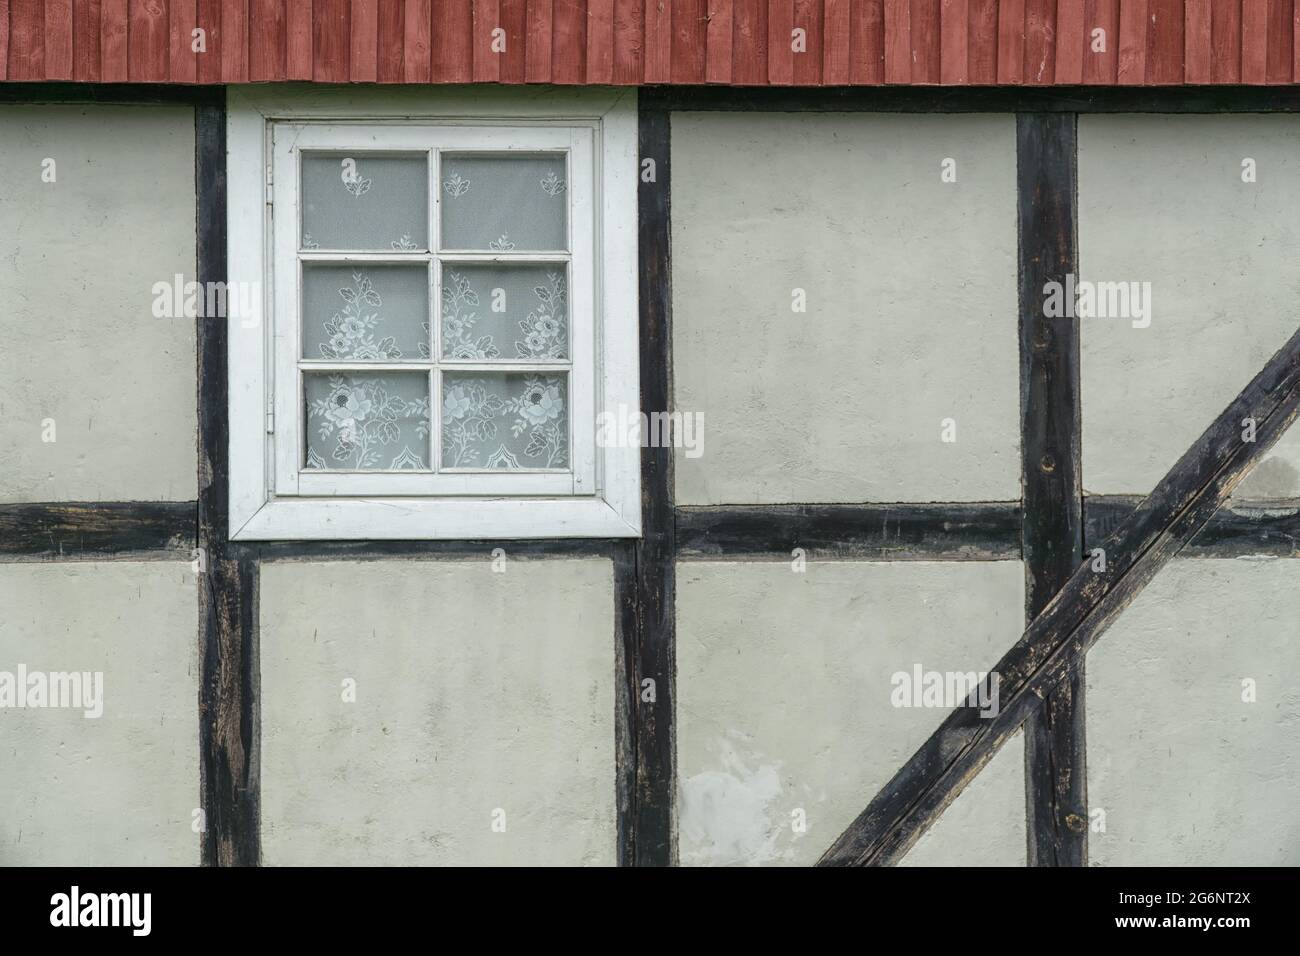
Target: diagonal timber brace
[1058, 638]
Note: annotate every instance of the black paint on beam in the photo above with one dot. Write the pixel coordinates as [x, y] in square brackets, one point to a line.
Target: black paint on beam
[1051, 484]
[976, 99]
[974, 531]
[1241, 528]
[122, 94]
[228, 710]
[875, 99]
[645, 571]
[1179, 508]
[366, 550]
[930, 531]
[96, 529]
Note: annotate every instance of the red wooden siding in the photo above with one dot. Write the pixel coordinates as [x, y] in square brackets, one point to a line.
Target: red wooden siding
[629, 42]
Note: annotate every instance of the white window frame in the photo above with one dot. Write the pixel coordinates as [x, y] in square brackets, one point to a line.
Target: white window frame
[271, 496]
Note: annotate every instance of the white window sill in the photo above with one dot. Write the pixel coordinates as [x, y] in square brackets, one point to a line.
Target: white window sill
[387, 519]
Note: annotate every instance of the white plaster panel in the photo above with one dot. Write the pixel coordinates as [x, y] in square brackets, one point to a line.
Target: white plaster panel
[911, 313]
[79, 257]
[476, 692]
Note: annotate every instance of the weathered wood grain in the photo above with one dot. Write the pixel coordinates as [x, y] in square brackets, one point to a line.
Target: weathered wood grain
[1241, 528]
[646, 574]
[1198, 49]
[75, 528]
[1051, 481]
[1166, 41]
[1101, 61]
[926, 41]
[749, 43]
[228, 741]
[977, 531]
[982, 42]
[1254, 41]
[1071, 40]
[1040, 41]
[58, 40]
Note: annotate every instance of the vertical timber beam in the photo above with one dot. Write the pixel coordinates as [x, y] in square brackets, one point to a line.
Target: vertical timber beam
[645, 570]
[227, 579]
[1051, 483]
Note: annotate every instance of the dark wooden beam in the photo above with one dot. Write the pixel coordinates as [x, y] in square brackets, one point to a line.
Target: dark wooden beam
[645, 573]
[1181, 505]
[376, 550]
[975, 531]
[125, 94]
[939, 531]
[977, 99]
[228, 712]
[885, 99]
[97, 529]
[227, 580]
[1241, 528]
[1051, 482]
[877, 99]
[627, 689]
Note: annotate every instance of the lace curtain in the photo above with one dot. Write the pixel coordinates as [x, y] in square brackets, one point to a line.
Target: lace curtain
[487, 313]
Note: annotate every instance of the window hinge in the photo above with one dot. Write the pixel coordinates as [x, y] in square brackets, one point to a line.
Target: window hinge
[270, 196]
[270, 417]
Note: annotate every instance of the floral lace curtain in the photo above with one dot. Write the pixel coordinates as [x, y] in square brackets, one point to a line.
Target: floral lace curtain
[509, 311]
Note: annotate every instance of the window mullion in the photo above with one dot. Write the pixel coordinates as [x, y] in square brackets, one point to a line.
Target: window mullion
[435, 308]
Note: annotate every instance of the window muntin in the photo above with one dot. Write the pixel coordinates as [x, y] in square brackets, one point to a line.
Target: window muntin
[413, 367]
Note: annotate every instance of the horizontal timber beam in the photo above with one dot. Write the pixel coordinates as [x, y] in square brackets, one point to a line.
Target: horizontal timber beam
[79, 528]
[976, 531]
[1242, 527]
[376, 550]
[829, 99]
[977, 99]
[123, 94]
[930, 531]
[1056, 642]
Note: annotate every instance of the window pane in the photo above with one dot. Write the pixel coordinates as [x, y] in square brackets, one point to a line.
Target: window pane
[507, 312]
[504, 203]
[364, 201]
[366, 311]
[367, 421]
[507, 420]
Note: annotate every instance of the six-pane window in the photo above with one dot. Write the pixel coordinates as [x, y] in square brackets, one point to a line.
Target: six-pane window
[435, 287]
[443, 316]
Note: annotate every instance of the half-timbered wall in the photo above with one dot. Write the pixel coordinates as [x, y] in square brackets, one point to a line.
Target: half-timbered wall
[832, 306]
[826, 301]
[98, 400]
[784, 711]
[1185, 770]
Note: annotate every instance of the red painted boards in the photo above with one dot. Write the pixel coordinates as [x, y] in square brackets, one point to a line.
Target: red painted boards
[635, 42]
